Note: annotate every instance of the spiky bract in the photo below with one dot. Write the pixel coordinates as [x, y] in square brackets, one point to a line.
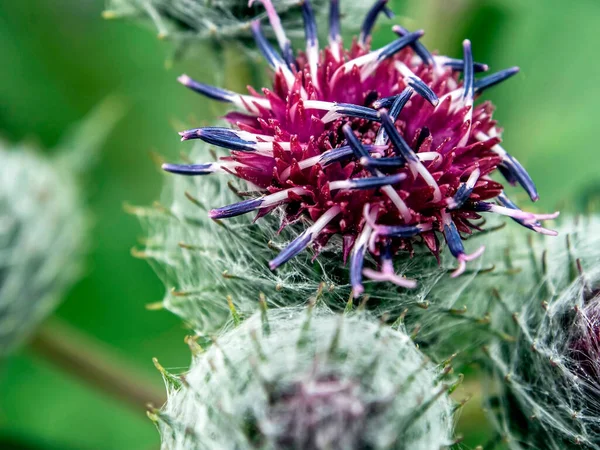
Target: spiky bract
[308, 379]
[42, 231]
[545, 390]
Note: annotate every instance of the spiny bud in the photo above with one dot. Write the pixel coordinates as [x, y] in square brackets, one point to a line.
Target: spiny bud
[545, 385]
[43, 224]
[308, 379]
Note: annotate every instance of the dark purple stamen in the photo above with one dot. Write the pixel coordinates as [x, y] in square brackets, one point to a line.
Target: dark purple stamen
[459, 64]
[359, 150]
[272, 57]
[334, 20]
[399, 101]
[423, 134]
[372, 182]
[361, 112]
[292, 250]
[399, 231]
[494, 79]
[189, 169]
[371, 17]
[468, 72]
[423, 90]
[461, 196]
[310, 25]
[340, 153]
[384, 163]
[418, 47]
[221, 137]
[453, 240]
[401, 147]
[508, 203]
[236, 209]
[384, 102]
[513, 171]
[397, 45]
[222, 95]
[481, 206]
[357, 258]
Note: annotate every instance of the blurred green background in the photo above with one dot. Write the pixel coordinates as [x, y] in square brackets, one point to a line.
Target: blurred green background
[60, 58]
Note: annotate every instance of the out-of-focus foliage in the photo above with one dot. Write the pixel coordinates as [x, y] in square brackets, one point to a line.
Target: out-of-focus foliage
[44, 225]
[207, 19]
[298, 378]
[42, 234]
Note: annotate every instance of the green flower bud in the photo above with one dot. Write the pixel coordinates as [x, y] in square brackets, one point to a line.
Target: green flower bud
[308, 379]
[44, 224]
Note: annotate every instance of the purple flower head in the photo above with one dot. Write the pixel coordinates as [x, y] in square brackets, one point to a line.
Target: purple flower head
[384, 147]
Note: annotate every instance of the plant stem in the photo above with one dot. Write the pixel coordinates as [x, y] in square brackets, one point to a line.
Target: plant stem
[96, 365]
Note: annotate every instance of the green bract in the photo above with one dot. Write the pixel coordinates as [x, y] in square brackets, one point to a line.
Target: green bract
[308, 379]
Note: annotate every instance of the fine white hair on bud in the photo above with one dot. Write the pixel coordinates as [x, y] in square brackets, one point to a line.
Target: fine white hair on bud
[305, 378]
[545, 380]
[44, 223]
[222, 20]
[42, 231]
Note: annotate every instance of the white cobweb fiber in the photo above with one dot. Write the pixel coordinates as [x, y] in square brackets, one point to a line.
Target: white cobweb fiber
[42, 231]
[545, 386]
[44, 224]
[261, 385]
[227, 19]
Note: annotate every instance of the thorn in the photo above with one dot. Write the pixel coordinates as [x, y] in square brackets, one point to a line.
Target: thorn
[185, 246]
[335, 340]
[319, 293]
[415, 332]
[234, 314]
[195, 348]
[109, 15]
[157, 159]
[458, 311]
[349, 304]
[363, 304]
[157, 306]
[194, 200]
[400, 320]
[173, 380]
[264, 317]
[454, 386]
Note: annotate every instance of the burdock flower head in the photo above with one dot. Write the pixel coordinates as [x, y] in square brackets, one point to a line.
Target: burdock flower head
[384, 147]
[292, 378]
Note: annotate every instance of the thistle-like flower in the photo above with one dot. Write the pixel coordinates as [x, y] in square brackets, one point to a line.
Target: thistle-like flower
[297, 378]
[385, 147]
